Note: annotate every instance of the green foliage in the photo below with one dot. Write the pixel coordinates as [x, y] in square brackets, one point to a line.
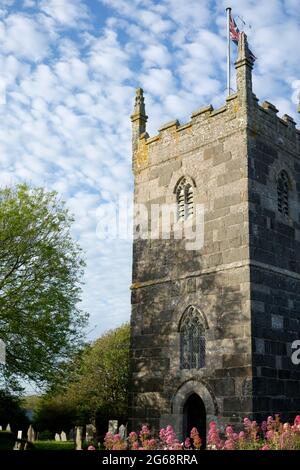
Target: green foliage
[7, 440]
[40, 271]
[96, 386]
[12, 412]
[55, 414]
[45, 435]
[101, 385]
[54, 445]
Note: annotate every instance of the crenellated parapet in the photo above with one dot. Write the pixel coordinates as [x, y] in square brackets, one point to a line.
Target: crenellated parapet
[240, 112]
[283, 129]
[208, 124]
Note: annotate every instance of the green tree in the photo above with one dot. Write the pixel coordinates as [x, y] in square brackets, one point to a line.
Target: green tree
[96, 385]
[54, 414]
[12, 412]
[40, 272]
[101, 385]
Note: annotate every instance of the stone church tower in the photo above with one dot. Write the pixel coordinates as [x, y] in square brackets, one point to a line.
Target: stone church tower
[212, 327]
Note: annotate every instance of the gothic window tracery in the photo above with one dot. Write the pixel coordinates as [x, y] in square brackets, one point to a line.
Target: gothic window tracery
[185, 200]
[192, 340]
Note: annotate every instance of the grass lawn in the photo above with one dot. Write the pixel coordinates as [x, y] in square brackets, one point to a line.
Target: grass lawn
[54, 445]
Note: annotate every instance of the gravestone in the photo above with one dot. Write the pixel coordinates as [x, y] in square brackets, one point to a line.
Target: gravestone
[19, 434]
[113, 426]
[90, 432]
[63, 436]
[30, 434]
[78, 438]
[123, 431]
[0, 428]
[57, 437]
[8, 428]
[72, 435]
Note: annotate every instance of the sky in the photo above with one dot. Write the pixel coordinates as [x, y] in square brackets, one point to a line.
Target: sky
[68, 73]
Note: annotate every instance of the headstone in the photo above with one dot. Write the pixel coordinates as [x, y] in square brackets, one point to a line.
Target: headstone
[72, 435]
[19, 434]
[0, 428]
[113, 426]
[30, 434]
[63, 436]
[57, 437]
[90, 432]
[17, 446]
[8, 428]
[78, 440]
[122, 431]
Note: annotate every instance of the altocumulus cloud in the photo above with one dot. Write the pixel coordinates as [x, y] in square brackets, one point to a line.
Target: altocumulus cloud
[68, 73]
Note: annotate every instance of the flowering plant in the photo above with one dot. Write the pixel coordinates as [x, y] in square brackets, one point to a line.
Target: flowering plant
[272, 434]
[143, 440]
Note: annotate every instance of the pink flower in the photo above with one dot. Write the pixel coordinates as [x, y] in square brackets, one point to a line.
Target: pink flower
[265, 447]
[247, 425]
[187, 443]
[150, 444]
[144, 433]
[229, 431]
[133, 436]
[109, 441]
[194, 435]
[229, 445]
[270, 420]
[264, 426]
[297, 422]
[213, 440]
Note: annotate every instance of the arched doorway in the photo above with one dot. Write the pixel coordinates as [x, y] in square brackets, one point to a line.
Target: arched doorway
[194, 416]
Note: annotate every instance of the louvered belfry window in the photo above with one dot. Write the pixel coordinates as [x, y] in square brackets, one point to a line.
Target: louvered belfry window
[185, 200]
[283, 193]
[192, 340]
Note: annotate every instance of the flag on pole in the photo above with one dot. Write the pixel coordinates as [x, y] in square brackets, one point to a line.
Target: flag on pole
[235, 36]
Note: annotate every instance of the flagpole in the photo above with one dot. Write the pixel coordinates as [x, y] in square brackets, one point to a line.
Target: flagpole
[228, 11]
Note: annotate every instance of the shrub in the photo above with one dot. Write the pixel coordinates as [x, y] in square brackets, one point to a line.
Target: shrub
[7, 440]
[143, 440]
[53, 445]
[270, 435]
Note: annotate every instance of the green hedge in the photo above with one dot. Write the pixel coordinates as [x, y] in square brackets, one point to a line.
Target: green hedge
[7, 440]
[53, 445]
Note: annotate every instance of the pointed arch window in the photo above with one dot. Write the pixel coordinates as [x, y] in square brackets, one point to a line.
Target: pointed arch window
[185, 200]
[283, 193]
[192, 340]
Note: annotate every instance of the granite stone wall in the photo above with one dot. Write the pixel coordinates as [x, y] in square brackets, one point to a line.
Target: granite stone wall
[275, 261]
[244, 280]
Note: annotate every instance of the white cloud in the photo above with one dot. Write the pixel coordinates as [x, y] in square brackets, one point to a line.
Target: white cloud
[107, 57]
[156, 55]
[65, 12]
[22, 36]
[154, 22]
[66, 124]
[158, 81]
